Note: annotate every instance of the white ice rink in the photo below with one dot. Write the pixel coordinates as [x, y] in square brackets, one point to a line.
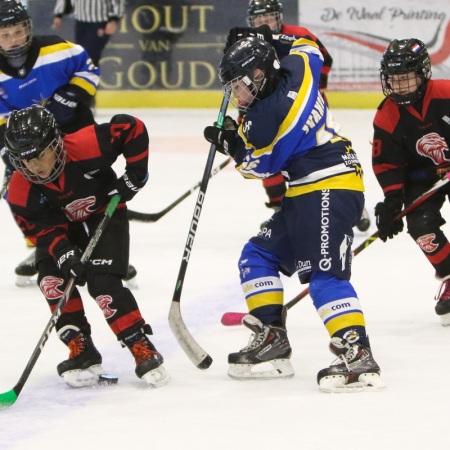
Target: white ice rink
[205, 409]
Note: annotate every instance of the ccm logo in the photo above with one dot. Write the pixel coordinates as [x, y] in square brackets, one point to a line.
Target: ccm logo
[102, 262]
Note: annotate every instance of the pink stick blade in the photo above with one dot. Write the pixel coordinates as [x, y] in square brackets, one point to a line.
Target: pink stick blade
[232, 318]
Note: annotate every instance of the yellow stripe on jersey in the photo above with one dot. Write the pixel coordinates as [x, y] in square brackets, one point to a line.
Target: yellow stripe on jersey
[264, 299]
[83, 84]
[293, 116]
[345, 321]
[349, 181]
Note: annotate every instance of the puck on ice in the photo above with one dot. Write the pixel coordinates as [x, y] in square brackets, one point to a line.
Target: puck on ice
[107, 379]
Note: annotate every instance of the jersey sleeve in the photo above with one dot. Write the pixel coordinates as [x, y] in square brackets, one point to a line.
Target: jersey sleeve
[389, 161]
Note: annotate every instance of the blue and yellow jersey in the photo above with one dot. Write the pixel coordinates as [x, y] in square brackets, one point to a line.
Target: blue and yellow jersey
[51, 64]
[292, 131]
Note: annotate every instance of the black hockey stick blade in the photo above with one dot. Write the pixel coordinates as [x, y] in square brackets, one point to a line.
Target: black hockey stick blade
[193, 350]
[153, 217]
[8, 398]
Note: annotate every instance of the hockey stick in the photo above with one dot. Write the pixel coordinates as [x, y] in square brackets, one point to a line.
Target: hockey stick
[235, 318]
[196, 354]
[9, 397]
[153, 217]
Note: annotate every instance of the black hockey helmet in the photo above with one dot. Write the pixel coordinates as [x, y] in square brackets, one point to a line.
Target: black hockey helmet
[259, 7]
[13, 12]
[239, 64]
[29, 132]
[402, 57]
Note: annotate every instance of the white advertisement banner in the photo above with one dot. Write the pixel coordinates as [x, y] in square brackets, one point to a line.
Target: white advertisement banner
[357, 32]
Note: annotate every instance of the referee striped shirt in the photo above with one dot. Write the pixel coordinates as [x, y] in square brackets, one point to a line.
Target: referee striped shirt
[91, 10]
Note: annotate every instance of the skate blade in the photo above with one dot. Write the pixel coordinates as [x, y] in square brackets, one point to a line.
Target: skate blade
[25, 281]
[270, 370]
[92, 376]
[445, 320]
[131, 284]
[337, 384]
[157, 377]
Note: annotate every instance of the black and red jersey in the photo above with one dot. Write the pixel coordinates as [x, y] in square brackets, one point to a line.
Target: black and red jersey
[412, 139]
[43, 211]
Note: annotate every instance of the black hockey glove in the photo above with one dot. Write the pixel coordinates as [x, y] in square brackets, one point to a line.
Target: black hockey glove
[127, 186]
[235, 34]
[385, 213]
[70, 264]
[223, 138]
[63, 105]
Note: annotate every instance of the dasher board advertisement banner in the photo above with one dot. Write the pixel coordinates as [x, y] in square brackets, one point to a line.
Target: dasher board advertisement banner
[357, 32]
[162, 44]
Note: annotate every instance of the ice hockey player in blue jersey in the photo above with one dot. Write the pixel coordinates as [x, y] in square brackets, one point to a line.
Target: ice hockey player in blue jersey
[287, 128]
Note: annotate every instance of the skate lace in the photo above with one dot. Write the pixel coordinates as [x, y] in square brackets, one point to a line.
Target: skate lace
[443, 292]
[349, 355]
[255, 341]
[76, 347]
[141, 351]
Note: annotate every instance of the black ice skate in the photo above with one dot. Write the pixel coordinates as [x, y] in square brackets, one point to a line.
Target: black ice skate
[130, 277]
[26, 270]
[83, 367]
[149, 363]
[442, 307]
[363, 223]
[355, 370]
[266, 356]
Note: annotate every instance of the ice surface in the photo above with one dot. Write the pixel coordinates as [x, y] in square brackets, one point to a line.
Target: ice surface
[205, 409]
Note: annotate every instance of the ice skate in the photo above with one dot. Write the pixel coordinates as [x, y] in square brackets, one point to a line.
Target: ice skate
[84, 366]
[149, 363]
[442, 307]
[355, 370]
[265, 357]
[363, 223]
[26, 270]
[131, 278]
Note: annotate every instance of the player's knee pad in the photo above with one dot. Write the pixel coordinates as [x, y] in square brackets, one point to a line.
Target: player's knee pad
[104, 284]
[325, 288]
[256, 262]
[423, 222]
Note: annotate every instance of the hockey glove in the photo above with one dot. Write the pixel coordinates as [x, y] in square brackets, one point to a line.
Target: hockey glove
[71, 266]
[223, 139]
[63, 105]
[385, 213]
[127, 186]
[235, 34]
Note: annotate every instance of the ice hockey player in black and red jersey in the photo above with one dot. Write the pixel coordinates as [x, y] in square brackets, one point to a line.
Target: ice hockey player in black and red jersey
[43, 70]
[57, 195]
[410, 149]
[286, 127]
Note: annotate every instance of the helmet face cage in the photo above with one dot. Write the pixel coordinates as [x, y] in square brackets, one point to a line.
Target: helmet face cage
[239, 75]
[29, 132]
[405, 63]
[262, 12]
[57, 146]
[14, 14]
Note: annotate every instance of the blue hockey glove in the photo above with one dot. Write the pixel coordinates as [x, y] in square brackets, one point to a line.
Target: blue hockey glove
[70, 264]
[127, 186]
[63, 105]
[385, 213]
[237, 33]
